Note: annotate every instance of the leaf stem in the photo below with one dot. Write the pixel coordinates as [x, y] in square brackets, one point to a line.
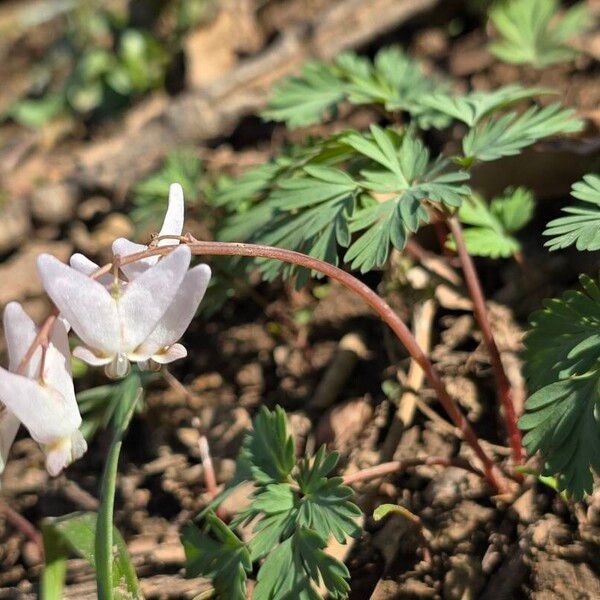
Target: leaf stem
[378, 304]
[104, 526]
[503, 386]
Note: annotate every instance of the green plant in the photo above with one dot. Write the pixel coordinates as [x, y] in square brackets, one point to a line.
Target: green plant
[295, 508]
[532, 33]
[492, 226]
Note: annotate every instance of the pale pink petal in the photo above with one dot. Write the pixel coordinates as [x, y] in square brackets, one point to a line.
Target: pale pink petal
[20, 332]
[181, 311]
[87, 356]
[147, 298]
[174, 352]
[173, 223]
[47, 415]
[88, 267]
[9, 426]
[86, 304]
[123, 247]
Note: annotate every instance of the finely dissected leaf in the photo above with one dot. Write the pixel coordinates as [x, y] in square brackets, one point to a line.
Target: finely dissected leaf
[562, 420]
[77, 532]
[269, 448]
[216, 552]
[492, 226]
[306, 99]
[582, 225]
[564, 340]
[297, 566]
[510, 133]
[392, 79]
[401, 170]
[531, 33]
[470, 108]
[325, 504]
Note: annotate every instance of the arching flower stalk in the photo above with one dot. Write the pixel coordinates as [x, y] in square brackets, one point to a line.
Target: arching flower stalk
[42, 398]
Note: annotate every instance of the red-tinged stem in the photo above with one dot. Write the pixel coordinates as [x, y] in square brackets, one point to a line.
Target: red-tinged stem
[40, 339]
[503, 386]
[19, 522]
[398, 466]
[378, 304]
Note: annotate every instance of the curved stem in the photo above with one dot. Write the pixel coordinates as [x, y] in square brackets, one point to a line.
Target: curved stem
[378, 304]
[503, 386]
[396, 466]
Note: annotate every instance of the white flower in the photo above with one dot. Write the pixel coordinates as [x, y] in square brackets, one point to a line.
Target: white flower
[43, 398]
[161, 344]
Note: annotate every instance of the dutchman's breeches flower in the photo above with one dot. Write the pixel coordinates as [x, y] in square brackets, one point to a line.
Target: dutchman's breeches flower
[42, 398]
[136, 321]
[160, 346]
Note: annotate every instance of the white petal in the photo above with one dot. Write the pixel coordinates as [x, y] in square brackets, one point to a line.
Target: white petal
[180, 313]
[85, 303]
[174, 352]
[88, 267]
[147, 298]
[123, 247]
[9, 425]
[87, 356]
[63, 452]
[45, 413]
[20, 331]
[173, 223]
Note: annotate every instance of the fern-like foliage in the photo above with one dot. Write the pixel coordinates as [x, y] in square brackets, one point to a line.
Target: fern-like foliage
[581, 224]
[392, 79]
[531, 32]
[294, 510]
[509, 134]
[492, 226]
[562, 417]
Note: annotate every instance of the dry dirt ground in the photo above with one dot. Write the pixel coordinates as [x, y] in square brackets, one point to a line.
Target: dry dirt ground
[67, 189]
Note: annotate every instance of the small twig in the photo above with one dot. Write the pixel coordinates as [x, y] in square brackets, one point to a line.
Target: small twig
[20, 523]
[503, 386]
[209, 471]
[400, 465]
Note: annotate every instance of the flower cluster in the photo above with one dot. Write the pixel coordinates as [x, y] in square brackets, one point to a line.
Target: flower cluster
[137, 314]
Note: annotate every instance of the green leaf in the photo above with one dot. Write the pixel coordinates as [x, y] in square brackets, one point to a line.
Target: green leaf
[306, 99]
[383, 510]
[492, 225]
[269, 448]
[472, 107]
[296, 568]
[35, 113]
[564, 340]
[402, 170]
[510, 133]
[325, 504]
[391, 79]
[217, 553]
[76, 533]
[582, 225]
[562, 420]
[531, 33]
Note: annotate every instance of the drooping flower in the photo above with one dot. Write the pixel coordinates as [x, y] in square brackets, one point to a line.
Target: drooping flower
[114, 322]
[161, 345]
[42, 398]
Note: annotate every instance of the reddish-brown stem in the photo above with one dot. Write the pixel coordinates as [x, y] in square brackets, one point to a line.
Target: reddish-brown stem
[378, 304]
[20, 523]
[397, 466]
[503, 386]
[40, 339]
